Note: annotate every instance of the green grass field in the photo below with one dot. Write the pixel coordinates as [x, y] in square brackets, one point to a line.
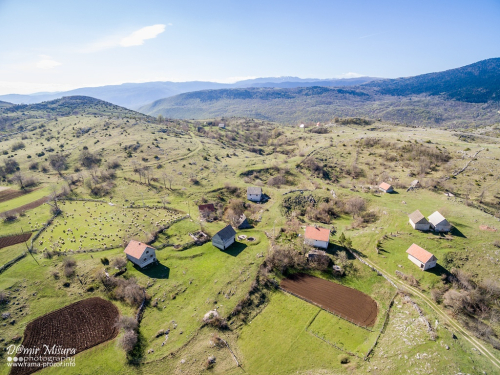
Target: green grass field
[187, 284]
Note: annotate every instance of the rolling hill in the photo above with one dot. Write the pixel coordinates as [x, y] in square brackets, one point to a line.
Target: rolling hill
[458, 97]
[4, 104]
[135, 95]
[474, 83]
[32, 114]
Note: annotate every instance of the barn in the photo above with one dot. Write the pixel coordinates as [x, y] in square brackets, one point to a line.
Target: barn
[422, 258]
[386, 188]
[140, 254]
[254, 193]
[317, 237]
[224, 238]
[242, 222]
[439, 223]
[418, 221]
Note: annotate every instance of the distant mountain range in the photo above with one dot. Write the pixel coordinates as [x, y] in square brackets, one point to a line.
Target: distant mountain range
[135, 95]
[457, 97]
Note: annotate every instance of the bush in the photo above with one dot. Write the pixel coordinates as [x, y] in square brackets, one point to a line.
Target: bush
[127, 323]
[217, 322]
[8, 217]
[105, 261]
[18, 146]
[344, 358]
[69, 265]
[129, 291]
[119, 263]
[128, 340]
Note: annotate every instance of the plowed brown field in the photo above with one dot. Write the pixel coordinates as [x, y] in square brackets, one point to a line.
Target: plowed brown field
[14, 240]
[27, 207]
[79, 326]
[9, 194]
[338, 299]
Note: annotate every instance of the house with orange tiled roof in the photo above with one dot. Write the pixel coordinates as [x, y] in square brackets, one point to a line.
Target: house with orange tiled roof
[386, 188]
[317, 237]
[421, 257]
[140, 254]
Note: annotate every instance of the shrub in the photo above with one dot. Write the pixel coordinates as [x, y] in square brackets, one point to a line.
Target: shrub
[217, 322]
[119, 262]
[8, 217]
[127, 323]
[69, 265]
[128, 340]
[18, 146]
[105, 261]
[4, 298]
[129, 291]
[344, 358]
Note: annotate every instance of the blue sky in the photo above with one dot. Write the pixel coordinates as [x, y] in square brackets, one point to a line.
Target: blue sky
[59, 45]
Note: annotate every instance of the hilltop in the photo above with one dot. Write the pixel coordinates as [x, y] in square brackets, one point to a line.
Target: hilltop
[32, 114]
[474, 83]
[458, 98]
[135, 95]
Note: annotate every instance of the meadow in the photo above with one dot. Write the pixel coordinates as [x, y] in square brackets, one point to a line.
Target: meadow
[150, 173]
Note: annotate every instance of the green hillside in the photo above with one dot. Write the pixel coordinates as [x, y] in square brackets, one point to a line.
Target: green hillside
[474, 83]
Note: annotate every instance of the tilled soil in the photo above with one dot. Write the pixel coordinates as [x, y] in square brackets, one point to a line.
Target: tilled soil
[14, 240]
[347, 302]
[79, 326]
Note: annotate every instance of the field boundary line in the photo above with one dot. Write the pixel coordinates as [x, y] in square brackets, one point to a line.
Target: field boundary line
[324, 309]
[384, 325]
[12, 262]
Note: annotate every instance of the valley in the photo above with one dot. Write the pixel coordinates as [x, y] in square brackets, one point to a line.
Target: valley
[85, 177]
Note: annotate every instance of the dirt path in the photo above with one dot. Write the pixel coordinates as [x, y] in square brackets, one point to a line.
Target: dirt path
[472, 340]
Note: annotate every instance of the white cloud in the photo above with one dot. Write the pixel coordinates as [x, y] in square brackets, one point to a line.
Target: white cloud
[138, 37]
[350, 75]
[46, 62]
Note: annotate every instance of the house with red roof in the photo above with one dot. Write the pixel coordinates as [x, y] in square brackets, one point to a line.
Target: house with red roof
[421, 257]
[317, 237]
[386, 188]
[140, 254]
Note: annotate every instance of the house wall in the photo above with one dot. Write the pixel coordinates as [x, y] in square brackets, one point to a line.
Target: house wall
[217, 242]
[419, 263]
[415, 260]
[423, 227]
[430, 265]
[441, 228]
[254, 197]
[141, 262]
[316, 243]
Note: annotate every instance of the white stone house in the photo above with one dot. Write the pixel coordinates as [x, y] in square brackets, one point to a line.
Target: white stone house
[254, 193]
[421, 257]
[439, 223]
[140, 254]
[418, 221]
[317, 237]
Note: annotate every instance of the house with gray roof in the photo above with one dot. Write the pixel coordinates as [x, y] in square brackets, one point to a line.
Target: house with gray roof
[418, 221]
[254, 193]
[224, 238]
[439, 223]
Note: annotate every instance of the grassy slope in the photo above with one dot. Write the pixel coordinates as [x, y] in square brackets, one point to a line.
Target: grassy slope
[213, 271]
